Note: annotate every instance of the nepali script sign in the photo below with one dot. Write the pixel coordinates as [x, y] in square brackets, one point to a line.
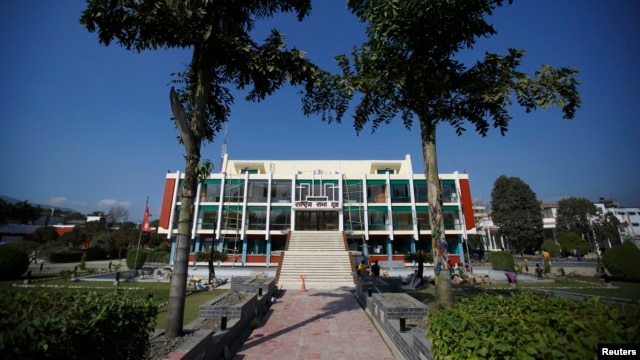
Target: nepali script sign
[317, 204]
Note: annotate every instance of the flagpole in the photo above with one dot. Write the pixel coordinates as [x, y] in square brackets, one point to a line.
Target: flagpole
[139, 238]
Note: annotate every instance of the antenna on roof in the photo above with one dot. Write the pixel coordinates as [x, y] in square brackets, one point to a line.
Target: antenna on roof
[224, 147]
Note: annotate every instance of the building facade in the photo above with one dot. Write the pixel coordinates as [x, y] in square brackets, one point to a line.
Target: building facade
[248, 209]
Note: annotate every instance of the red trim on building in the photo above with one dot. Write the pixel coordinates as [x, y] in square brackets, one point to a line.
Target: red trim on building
[467, 204]
[167, 202]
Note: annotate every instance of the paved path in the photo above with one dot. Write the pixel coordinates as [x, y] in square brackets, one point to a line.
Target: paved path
[316, 324]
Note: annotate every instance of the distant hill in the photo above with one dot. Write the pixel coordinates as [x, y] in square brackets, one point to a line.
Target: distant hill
[14, 200]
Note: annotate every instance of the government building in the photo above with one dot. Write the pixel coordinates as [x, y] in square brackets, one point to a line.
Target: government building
[380, 208]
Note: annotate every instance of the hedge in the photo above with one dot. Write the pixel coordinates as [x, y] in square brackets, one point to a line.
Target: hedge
[76, 325]
[622, 261]
[526, 325]
[502, 260]
[13, 262]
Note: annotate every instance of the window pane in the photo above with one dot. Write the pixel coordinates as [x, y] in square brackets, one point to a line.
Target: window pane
[449, 192]
[378, 220]
[402, 220]
[257, 219]
[234, 191]
[400, 193]
[281, 191]
[451, 220]
[208, 220]
[352, 193]
[376, 193]
[421, 192]
[280, 219]
[258, 190]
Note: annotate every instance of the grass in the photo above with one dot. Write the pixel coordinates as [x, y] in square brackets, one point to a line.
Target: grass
[160, 291]
[587, 286]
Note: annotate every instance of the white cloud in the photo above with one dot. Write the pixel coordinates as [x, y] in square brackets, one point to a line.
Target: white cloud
[58, 201]
[109, 203]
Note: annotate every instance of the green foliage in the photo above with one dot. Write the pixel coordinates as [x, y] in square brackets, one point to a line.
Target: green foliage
[526, 325]
[20, 211]
[46, 234]
[574, 215]
[66, 274]
[552, 247]
[572, 244]
[65, 255]
[13, 262]
[28, 247]
[607, 229]
[502, 260]
[622, 261]
[160, 254]
[516, 210]
[136, 258]
[75, 325]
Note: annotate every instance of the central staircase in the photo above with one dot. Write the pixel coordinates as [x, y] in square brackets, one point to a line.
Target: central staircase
[321, 257]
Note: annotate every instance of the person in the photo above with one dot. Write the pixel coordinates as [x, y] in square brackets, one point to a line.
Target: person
[361, 268]
[538, 271]
[375, 269]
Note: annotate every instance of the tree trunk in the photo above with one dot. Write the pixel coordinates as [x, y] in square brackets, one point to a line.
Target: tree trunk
[178, 289]
[438, 239]
[212, 272]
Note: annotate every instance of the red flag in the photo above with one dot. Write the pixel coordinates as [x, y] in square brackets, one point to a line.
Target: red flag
[145, 223]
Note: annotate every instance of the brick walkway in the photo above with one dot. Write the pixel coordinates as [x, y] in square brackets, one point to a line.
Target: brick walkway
[316, 324]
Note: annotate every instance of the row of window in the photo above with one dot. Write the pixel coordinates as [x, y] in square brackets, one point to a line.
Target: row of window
[257, 246]
[280, 219]
[281, 191]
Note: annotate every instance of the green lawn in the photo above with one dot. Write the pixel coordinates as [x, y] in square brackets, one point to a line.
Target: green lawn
[588, 286]
[160, 291]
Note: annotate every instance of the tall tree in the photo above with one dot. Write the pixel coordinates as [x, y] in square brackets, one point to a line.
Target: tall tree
[218, 33]
[517, 211]
[607, 231]
[575, 215]
[410, 66]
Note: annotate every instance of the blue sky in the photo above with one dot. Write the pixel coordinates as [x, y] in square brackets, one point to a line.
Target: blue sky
[88, 127]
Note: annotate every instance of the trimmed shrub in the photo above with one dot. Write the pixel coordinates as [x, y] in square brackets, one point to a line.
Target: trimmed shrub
[526, 325]
[75, 325]
[134, 262]
[502, 260]
[65, 256]
[572, 244]
[159, 255]
[551, 247]
[13, 262]
[622, 261]
[96, 253]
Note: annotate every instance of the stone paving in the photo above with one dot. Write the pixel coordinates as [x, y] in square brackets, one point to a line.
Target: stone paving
[315, 324]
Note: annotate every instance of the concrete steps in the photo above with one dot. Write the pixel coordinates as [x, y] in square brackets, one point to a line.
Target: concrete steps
[319, 256]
